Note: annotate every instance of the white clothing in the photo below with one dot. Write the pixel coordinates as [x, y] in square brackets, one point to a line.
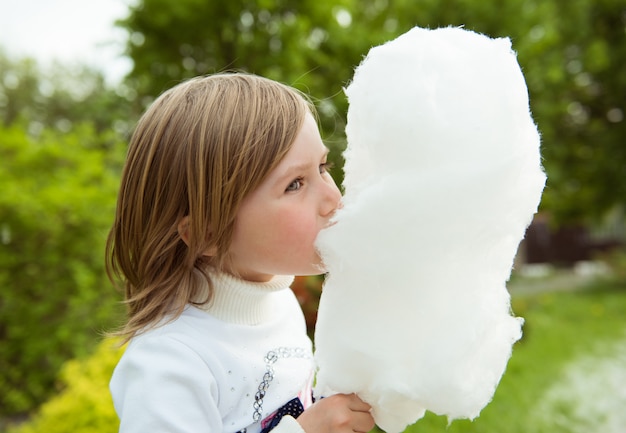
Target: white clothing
[223, 368]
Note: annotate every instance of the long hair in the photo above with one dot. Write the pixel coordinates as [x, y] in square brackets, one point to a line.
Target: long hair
[198, 150]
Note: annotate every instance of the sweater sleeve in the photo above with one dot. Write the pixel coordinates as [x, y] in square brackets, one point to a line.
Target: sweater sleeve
[162, 386]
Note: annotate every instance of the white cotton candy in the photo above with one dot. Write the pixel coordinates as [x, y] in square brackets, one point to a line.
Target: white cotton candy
[442, 177]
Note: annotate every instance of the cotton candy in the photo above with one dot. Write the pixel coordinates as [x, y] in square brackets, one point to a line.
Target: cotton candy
[442, 177]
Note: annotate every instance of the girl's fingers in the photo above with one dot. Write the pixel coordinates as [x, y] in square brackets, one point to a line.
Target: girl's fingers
[358, 405]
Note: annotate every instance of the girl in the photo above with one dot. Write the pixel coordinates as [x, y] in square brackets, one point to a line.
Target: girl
[224, 191]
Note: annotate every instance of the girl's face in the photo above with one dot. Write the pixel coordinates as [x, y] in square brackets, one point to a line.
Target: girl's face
[278, 223]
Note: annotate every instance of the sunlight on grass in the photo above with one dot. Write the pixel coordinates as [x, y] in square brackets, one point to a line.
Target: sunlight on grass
[588, 396]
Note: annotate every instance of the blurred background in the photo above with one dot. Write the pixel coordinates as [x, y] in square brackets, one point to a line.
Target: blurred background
[76, 75]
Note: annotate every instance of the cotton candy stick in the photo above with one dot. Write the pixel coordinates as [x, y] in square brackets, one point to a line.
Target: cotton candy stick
[442, 177]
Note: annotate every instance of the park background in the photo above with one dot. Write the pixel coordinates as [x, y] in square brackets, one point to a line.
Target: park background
[63, 134]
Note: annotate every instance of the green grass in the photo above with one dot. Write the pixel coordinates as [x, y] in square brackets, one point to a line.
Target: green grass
[560, 328]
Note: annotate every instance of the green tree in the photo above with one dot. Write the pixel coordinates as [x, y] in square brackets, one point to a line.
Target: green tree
[61, 154]
[57, 202]
[577, 84]
[60, 97]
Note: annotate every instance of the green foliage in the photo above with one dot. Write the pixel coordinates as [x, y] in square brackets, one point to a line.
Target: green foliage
[84, 404]
[57, 202]
[577, 91]
[60, 97]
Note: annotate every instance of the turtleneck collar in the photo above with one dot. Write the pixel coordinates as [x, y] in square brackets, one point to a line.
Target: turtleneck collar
[243, 302]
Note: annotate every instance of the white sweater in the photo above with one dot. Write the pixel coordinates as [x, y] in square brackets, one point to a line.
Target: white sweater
[224, 368]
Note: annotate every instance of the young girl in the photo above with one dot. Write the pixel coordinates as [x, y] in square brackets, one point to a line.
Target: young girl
[224, 191]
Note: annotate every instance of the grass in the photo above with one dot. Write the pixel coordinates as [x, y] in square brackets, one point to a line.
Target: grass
[539, 391]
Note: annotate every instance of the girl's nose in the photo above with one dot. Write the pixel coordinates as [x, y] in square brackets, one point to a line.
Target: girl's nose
[331, 198]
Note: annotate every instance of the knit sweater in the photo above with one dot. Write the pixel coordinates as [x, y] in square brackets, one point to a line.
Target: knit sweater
[227, 367]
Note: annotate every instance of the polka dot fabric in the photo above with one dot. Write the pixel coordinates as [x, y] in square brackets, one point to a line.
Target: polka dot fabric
[293, 408]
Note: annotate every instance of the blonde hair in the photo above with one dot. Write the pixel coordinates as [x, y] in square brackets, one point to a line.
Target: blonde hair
[198, 150]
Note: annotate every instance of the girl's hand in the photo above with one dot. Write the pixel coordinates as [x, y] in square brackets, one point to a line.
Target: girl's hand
[340, 413]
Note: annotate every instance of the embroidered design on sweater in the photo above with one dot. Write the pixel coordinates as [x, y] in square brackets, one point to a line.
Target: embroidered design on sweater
[295, 407]
[270, 359]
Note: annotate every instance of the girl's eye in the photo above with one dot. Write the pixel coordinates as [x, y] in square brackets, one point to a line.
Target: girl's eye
[295, 185]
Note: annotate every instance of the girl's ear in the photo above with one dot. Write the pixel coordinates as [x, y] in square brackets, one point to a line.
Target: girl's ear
[183, 229]
[183, 232]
